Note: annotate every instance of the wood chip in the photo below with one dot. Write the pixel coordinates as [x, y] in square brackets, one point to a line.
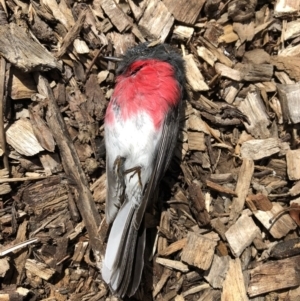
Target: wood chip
[241, 234]
[274, 275]
[172, 264]
[217, 272]
[193, 74]
[157, 20]
[185, 11]
[260, 148]
[38, 268]
[278, 227]
[233, 285]
[20, 135]
[201, 259]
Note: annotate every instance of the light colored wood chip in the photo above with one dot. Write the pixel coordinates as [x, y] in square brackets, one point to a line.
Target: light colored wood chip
[242, 187]
[205, 247]
[290, 102]
[173, 264]
[174, 247]
[183, 32]
[241, 234]
[260, 148]
[116, 15]
[286, 8]
[253, 107]
[196, 141]
[216, 52]
[233, 285]
[21, 137]
[157, 20]
[39, 269]
[274, 275]
[216, 274]
[293, 164]
[206, 55]
[185, 11]
[278, 227]
[193, 74]
[228, 72]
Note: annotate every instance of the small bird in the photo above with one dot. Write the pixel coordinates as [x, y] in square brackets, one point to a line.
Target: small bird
[141, 129]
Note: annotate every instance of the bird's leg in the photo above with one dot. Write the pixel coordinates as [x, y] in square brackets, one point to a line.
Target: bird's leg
[118, 168]
[135, 170]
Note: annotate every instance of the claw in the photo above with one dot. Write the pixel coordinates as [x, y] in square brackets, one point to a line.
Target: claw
[135, 170]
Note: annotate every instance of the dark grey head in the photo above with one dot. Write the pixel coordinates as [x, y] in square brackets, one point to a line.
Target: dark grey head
[162, 52]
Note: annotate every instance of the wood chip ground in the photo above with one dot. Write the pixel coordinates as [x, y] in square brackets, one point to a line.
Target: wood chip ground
[225, 226]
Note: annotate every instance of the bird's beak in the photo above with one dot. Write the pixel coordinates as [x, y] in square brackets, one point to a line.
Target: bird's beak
[112, 58]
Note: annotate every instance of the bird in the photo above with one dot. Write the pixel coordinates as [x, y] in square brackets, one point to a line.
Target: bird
[141, 128]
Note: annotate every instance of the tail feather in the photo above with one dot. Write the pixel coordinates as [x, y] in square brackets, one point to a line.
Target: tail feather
[123, 263]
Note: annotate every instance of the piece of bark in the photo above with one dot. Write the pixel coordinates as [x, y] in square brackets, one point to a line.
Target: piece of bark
[116, 15]
[198, 205]
[193, 74]
[4, 267]
[40, 129]
[196, 141]
[99, 189]
[260, 148]
[288, 65]
[183, 33]
[233, 285]
[38, 268]
[286, 8]
[258, 120]
[216, 52]
[290, 103]
[60, 11]
[220, 188]
[157, 20]
[229, 36]
[174, 247]
[172, 264]
[255, 72]
[72, 168]
[163, 279]
[241, 234]
[228, 72]
[185, 11]
[292, 30]
[217, 272]
[51, 163]
[278, 227]
[213, 32]
[259, 201]
[295, 190]
[274, 275]
[256, 56]
[206, 55]
[242, 187]
[72, 34]
[205, 247]
[290, 51]
[245, 31]
[231, 91]
[293, 164]
[21, 85]
[25, 52]
[137, 8]
[287, 248]
[21, 137]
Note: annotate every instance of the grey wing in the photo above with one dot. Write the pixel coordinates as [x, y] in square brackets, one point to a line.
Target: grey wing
[114, 186]
[163, 158]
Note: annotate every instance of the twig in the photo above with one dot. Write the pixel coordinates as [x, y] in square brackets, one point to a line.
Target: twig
[2, 133]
